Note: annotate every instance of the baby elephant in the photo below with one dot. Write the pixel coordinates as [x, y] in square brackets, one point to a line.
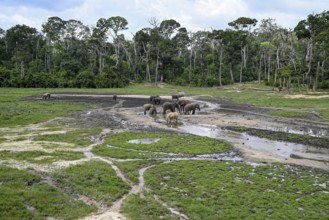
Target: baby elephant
[172, 116]
[173, 97]
[182, 104]
[191, 107]
[153, 111]
[147, 107]
[46, 96]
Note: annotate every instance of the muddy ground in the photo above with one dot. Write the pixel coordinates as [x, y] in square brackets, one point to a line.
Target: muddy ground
[126, 113]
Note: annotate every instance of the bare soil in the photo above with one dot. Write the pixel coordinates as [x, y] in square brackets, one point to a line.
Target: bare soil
[126, 113]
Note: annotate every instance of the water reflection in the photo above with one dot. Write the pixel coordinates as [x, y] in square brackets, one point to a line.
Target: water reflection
[243, 140]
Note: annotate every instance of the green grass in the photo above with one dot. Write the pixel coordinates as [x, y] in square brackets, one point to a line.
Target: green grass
[169, 143]
[94, 179]
[15, 111]
[286, 113]
[228, 190]
[146, 208]
[78, 137]
[40, 157]
[24, 196]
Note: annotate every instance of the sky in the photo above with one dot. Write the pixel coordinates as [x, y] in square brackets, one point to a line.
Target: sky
[194, 15]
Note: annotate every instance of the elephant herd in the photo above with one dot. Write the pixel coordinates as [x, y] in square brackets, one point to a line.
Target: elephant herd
[185, 107]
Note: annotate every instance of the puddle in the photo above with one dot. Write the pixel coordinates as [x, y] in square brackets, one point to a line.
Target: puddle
[144, 141]
[243, 140]
[88, 154]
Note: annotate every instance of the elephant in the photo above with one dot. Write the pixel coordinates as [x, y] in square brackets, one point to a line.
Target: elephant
[173, 97]
[155, 100]
[153, 111]
[170, 105]
[182, 104]
[172, 116]
[191, 107]
[115, 97]
[147, 107]
[46, 96]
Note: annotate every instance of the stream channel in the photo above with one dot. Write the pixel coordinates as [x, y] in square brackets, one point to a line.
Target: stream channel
[281, 148]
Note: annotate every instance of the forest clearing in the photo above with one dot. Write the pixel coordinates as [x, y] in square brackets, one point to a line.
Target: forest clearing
[83, 155]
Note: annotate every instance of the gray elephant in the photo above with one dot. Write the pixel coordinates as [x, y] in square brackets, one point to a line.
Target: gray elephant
[182, 104]
[46, 96]
[176, 97]
[153, 111]
[155, 100]
[147, 107]
[170, 105]
[191, 107]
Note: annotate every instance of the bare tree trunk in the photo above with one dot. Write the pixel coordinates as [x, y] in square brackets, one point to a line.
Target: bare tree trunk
[277, 64]
[22, 69]
[260, 67]
[148, 74]
[268, 68]
[316, 76]
[100, 62]
[322, 70]
[220, 67]
[309, 58]
[231, 72]
[157, 67]
[190, 68]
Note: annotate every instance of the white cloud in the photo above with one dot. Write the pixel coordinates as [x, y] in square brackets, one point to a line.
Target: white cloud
[193, 14]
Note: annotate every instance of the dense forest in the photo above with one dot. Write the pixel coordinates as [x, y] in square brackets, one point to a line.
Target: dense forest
[67, 53]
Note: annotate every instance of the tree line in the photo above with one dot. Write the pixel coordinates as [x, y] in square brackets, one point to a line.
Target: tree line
[67, 53]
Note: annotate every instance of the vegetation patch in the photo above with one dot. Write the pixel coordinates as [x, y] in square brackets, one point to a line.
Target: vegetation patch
[94, 179]
[121, 153]
[146, 208]
[286, 113]
[169, 143]
[283, 136]
[78, 137]
[228, 190]
[41, 157]
[24, 196]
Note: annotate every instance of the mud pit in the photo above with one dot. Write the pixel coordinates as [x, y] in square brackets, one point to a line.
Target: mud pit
[126, 113]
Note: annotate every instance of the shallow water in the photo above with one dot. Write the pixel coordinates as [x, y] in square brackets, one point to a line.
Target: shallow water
[144, 141]
[243, 140]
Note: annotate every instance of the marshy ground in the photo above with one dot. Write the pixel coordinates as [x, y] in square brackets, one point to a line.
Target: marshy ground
[248, 128]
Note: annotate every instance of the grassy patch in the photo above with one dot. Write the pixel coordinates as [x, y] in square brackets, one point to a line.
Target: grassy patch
[94, 179]
[228, 190]
[146, 208]
[23, 196]
[286, 113]
[103, 150]
[41, 157]
[14, 111]
[169, 143]
[78, 137]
